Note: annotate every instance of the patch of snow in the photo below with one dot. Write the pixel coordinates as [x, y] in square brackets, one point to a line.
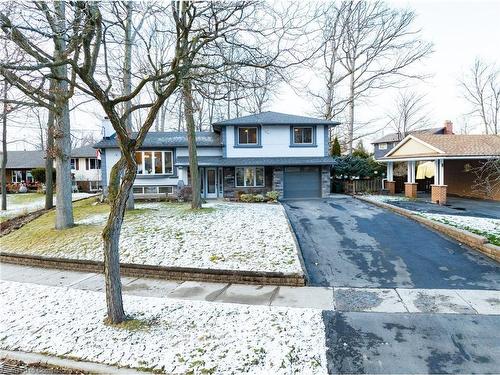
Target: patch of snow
[482, 224]
[386, 198]
[93, 220]
[38, 202]
[177, 336]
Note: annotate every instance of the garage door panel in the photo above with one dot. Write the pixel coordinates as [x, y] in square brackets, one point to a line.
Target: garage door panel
[302, 182]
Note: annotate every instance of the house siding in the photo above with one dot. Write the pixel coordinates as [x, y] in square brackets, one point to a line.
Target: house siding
[275, 142]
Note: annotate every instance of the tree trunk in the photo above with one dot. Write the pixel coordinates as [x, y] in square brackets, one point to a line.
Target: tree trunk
[127, 81]
[62, 136]
[49, 163]
[119, 189]
[350, 134]
[193, 157]
[4, 147]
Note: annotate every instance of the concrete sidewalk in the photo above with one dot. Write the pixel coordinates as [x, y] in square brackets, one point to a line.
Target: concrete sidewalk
[396, 300]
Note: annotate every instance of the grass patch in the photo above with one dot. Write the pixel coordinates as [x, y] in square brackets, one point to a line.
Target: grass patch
[24, 198]
[133, 324]
[40, 236]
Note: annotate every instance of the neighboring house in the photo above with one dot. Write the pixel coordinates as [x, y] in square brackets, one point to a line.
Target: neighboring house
[385, 144]
[20, 164]
[455, 159]
[85, 167]
[256, 153]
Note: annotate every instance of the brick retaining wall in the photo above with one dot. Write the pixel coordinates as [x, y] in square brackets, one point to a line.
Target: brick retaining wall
[160, 272]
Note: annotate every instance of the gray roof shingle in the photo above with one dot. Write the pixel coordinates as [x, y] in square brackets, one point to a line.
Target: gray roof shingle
[396, 137]
[274, 118]
[24, 159]
[36, 159]
[168, 139]
[205, 161]
[84, 152]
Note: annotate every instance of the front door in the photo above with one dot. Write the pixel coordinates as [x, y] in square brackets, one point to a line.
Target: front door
[211, 182]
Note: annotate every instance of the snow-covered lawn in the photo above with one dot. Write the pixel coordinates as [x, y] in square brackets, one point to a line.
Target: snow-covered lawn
[169, 336]
[21, 204]
[386, 198]
[241, 236]
[487, 227]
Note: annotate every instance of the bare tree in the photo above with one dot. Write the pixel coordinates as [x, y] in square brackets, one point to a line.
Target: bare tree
[488, 177]
[410, 113]
[367, 46]
[47, 26]
[481, 88]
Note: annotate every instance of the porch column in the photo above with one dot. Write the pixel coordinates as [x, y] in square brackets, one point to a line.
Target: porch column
[390, 184]
[410, 184]
[438, 189]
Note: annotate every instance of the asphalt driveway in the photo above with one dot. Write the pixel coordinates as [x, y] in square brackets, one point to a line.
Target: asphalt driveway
[347, 242]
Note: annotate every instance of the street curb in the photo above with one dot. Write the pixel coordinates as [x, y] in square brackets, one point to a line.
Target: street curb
[159, 272]
[90, 367]
[476, 242]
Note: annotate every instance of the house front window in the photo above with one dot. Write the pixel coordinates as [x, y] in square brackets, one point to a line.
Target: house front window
[249, 176]
[74, 163]
[303, 135]
[382, 146]
[153, 189]
[91, 163]
[20, 176]
[248, 135]
[154, 162]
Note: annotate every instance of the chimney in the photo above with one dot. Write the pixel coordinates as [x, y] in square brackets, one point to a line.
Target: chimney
[448, 127]
[107, 128]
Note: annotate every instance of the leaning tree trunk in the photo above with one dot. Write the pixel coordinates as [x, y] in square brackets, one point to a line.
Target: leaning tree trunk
[193, 157]
[119, 189]
[49, 163]
[4, 148]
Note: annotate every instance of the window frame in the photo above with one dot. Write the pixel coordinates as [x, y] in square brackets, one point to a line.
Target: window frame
[313, 142]
[254, 177]
[382, 148]
[142, 189]
[258, 134]
[153, 153]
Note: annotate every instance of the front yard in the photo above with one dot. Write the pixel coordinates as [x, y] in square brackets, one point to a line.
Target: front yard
[21, 204]
[165, 335]
[237, 236]
[483, 226]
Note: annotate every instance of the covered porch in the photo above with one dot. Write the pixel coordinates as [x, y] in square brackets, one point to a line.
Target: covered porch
[451, 161]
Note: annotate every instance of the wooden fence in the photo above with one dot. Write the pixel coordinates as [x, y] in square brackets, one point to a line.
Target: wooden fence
[361, 186]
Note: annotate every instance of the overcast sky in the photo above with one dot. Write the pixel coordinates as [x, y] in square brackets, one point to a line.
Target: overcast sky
[460, 31]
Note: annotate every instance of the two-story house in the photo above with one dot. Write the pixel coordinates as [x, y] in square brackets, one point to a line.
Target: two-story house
[256, 153]
[85, 167]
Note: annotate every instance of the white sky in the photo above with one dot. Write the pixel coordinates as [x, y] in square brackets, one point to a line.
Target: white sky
[460, 31]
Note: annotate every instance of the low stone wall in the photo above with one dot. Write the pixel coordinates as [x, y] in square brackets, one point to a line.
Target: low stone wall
[474, 241]
[160, 272]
